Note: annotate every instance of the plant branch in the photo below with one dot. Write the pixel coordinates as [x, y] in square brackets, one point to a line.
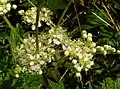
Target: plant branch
[63, 14]
[77, 16]
[37, 30]
[63, 75]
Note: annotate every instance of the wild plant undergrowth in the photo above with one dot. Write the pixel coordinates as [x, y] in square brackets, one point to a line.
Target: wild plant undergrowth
[39, 53]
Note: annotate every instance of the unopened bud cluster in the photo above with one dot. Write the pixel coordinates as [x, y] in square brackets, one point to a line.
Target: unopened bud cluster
[5, 6]
[29, 16]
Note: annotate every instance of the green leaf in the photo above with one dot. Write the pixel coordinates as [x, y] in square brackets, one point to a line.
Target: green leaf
[56, 4]
[56, 85]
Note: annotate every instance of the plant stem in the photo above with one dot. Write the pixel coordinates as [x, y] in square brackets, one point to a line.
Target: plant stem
[37, 30]
[45, 82]
[63, 75]
[11, 27]
[77, 16]
[63, 14]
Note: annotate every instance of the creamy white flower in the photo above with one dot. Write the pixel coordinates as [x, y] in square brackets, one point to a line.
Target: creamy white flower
[25, 40]
[43, 9]
[118, 51]
[79, 55]
[93, 50]
[86, 59]
[39, 24]
[74, 61]
[32, 63]
[28, 20]
[91, 63]
[1, 13]
[53, 50]
[17, 75]
[89, 39]
[113, 49]
[8, 6]
[104, 52]
[88, 66]
[56, 41]
[1, 8]
[40, 72]
[5, 11]
[89, 35]
[21, 12]
[33, 27]
[64, 47]
[84, 35]
[14, 6]
[79, 68]
[42, 62]
[37, 56]
[101, 49]
[78, 74]
[66, 53]
[40, 44]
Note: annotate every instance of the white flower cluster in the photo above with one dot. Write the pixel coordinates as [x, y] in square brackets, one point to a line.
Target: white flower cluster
[5, 6]
[30, 16]
[80, 51]
[29, 61]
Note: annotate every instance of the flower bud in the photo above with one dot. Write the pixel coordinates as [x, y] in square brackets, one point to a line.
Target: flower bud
[1, 8]
[104, 52]
[32, 63]
[79, 68]
[84, 35]
[8, 6]
[5, 11]
[93, 50]
[21, 12]
[89, 35]
[78, 74]
[14, 6]
[17, 75]
[66, 53]
[101, 49]
[74, 61]
[89, 39]
[118, 51]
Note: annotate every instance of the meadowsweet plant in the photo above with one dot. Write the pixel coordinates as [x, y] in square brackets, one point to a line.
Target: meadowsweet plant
[5, 6]
[55, 45]
[29, 16]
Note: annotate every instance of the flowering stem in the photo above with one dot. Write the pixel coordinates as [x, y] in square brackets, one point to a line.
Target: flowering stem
[37, 30]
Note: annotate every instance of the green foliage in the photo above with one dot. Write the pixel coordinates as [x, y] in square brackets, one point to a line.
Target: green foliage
[56, 4]
[101, 19]
[56, 85]
[108, 83]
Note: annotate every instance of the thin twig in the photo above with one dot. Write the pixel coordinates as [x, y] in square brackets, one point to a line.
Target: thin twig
[102, 19]
[63, 75]
[64, 12]
[77, 16]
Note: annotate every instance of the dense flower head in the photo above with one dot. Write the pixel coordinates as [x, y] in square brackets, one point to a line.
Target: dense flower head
[79, 51]
[29, 16]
